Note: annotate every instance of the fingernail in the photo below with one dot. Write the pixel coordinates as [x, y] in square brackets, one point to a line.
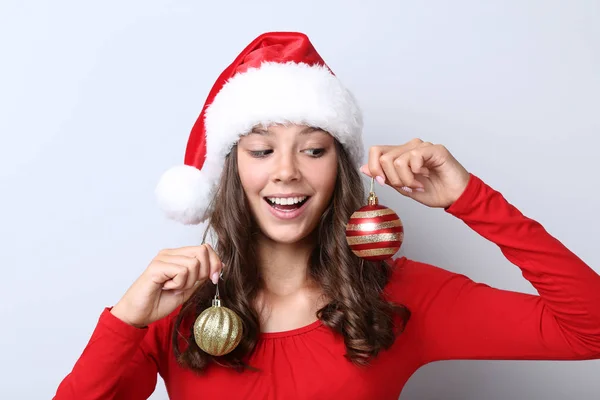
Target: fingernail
[406, 189]
[420, 189]
[176, 292]
[363, 169]
[380, 180]
[215, 278]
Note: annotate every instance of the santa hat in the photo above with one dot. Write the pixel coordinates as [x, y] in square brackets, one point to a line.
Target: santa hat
[279, 78]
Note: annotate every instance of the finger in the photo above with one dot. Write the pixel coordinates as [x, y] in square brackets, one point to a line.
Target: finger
[404, 171]
[189, 251]
[191, 263]
[200, 253]
[365, 170]
[388, 163]
[394, 162]
[373, 168]
[415, 162]
[408, 146]
[168, 276]
[184, 261]
[374, 165]
[408, 165]
[417, 166]
[216, 265]
[433, 156]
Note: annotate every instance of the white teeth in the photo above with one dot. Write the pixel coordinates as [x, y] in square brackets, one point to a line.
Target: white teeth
[286, 200]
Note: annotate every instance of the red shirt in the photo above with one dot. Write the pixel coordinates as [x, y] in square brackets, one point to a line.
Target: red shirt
[453, 317]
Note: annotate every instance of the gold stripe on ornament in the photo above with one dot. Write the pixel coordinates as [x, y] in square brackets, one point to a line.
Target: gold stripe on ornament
[210, 330]
[375, 252]
[374, 226]
[376, 238]
[233, 336]
[373, 213]
[218, 337]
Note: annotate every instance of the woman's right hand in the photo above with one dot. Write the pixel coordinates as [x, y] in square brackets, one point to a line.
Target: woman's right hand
[170, 279]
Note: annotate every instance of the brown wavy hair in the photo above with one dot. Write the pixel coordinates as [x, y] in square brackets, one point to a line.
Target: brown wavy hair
[357, 309]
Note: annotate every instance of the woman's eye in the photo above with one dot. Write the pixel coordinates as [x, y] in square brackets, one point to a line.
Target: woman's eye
[260, 153]
[315, 152]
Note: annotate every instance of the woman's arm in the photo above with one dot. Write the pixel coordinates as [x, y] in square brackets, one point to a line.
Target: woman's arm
[456, 318]
[119, 362]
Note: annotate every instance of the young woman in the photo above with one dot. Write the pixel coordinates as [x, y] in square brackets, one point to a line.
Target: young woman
[274, 165]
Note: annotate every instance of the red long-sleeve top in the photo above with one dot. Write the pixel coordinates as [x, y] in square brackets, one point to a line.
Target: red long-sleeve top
[453, 317]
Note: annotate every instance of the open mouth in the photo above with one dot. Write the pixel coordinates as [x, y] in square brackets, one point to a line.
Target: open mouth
[287, 204]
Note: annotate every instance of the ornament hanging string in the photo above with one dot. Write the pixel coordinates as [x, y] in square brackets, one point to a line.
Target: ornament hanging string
[217, 299]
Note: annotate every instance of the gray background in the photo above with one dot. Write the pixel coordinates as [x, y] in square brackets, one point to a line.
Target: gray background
[97, 99]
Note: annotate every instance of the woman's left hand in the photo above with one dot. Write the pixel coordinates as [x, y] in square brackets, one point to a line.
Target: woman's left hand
[423, 171]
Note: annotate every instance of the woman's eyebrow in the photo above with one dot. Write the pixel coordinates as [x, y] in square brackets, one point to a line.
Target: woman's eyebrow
[260, 131]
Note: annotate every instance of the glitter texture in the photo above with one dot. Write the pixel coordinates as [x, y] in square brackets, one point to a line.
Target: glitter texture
[373, 226]
[372, 214]
[218, 330]
[385, 252]
[381, 237]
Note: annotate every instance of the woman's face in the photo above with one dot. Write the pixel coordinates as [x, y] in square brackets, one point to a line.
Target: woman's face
[288, 174]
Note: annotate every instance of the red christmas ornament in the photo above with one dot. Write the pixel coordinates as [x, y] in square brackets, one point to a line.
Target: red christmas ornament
[374, 232]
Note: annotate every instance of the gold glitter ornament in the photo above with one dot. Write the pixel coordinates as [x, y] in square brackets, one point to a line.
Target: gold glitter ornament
[218, 330]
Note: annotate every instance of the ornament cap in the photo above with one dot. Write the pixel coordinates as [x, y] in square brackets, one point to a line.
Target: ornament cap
[373, 201]
[216, 302]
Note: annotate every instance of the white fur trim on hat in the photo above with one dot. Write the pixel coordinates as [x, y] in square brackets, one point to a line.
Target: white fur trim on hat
[280, 93]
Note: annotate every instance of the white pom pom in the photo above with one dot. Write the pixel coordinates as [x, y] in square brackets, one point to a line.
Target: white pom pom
[184, 193]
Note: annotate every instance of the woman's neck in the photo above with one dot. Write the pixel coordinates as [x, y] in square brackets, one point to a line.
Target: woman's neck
[284, 267]
[289, 297]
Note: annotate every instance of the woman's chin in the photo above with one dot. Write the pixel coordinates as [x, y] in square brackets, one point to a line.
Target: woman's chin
[286, 235]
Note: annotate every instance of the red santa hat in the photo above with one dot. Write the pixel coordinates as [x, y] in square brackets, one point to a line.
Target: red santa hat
[279, 78]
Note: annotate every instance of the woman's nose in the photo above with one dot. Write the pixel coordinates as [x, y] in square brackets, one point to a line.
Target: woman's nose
[286, 168]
